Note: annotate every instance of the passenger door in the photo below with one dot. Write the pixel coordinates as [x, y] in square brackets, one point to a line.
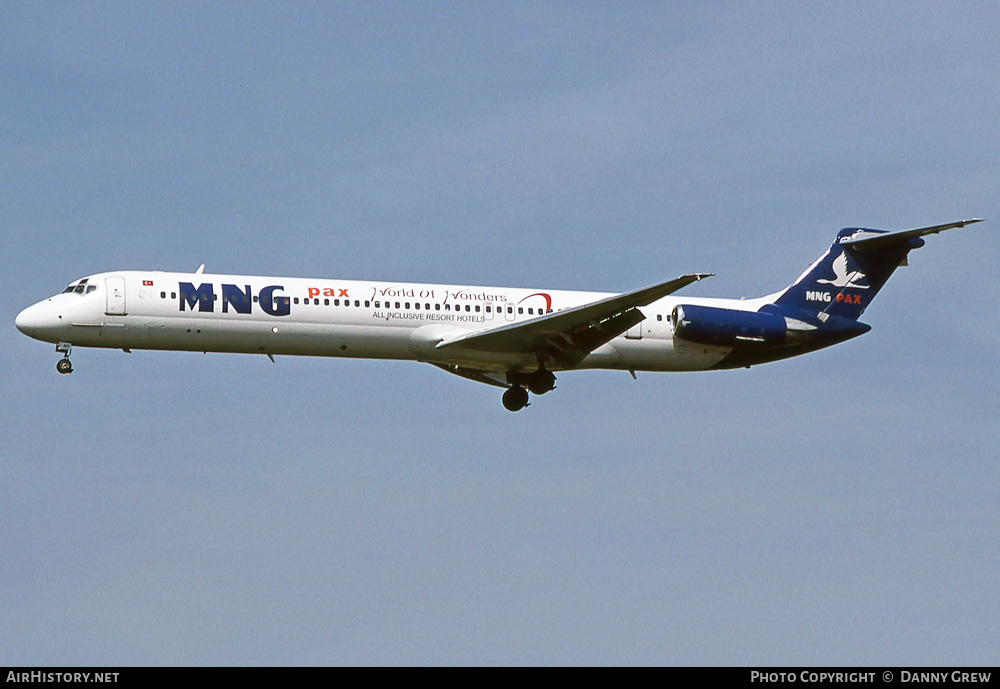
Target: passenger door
[115, 287]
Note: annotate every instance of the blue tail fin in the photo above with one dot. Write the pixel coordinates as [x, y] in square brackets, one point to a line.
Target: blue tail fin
[844, 280]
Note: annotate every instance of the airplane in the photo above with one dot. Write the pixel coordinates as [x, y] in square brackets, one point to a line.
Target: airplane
[516, 339]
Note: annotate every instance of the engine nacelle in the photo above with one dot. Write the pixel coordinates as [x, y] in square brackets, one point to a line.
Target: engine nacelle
[728, 327]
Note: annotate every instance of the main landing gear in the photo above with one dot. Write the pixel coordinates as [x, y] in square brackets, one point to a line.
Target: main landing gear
[515, 399]
[539, 382]
[64, 365]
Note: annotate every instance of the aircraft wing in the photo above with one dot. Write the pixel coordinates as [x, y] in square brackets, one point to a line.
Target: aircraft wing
[567, 336]
[865, 241]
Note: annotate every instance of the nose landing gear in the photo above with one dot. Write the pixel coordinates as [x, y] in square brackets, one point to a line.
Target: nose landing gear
[64, 365]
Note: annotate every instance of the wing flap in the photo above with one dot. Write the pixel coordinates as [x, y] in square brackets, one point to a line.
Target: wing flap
[473, 374]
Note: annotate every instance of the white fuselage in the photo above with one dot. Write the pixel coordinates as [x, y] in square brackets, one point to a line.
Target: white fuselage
[339, 318]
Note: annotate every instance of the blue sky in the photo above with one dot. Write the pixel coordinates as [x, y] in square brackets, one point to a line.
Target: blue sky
[217, 509]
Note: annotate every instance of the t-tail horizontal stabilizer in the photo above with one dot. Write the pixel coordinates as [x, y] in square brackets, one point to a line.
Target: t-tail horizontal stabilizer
[868, 240]
[845, 280]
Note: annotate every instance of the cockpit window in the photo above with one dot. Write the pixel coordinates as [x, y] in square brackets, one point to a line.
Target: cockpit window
[80, 287]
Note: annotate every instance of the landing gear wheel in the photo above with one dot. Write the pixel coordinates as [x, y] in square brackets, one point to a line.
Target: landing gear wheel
[515, 399]
[64, 366]
[541, 381]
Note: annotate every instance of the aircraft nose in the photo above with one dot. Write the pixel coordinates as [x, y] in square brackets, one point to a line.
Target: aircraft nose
[33, 320]
[25, 321]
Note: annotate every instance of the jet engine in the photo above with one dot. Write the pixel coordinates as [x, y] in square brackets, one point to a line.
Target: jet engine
[728, 327]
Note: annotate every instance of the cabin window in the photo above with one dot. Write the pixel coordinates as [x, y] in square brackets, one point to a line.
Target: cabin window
[417, 306]
[477, 308]
[326, 302]
[163, 295]
[173, 295]
[367, 303]
[659, 316]
[397, 304]
[296, 300]
[520, 309]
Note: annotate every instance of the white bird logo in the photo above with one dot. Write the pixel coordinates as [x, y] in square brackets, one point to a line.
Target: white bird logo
[841, 278]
